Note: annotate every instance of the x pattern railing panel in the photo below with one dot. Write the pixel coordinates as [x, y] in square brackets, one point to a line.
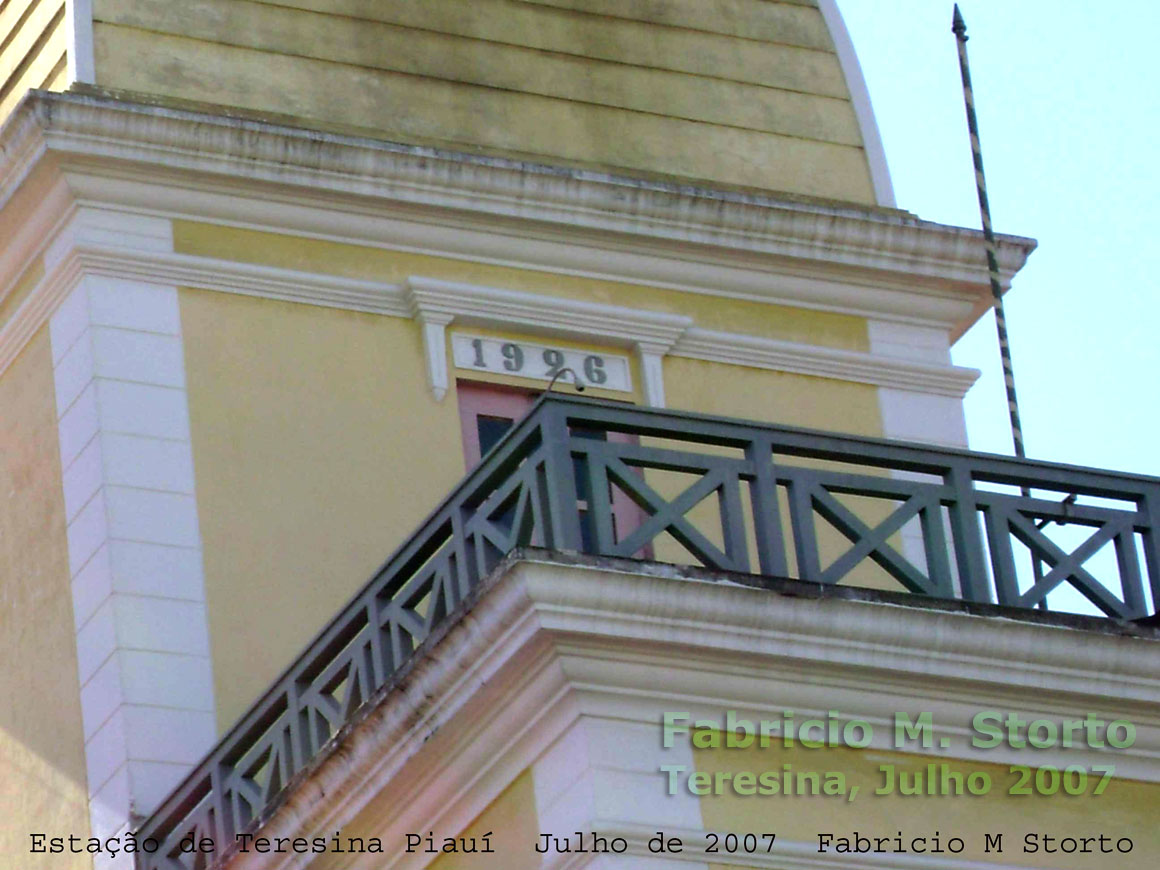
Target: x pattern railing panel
[774, 489]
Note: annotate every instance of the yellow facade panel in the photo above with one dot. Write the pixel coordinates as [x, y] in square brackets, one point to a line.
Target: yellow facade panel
[471, 117]
[772, 397]
[508, 826]
[20, 291]
[12, 12]
[793, 23]
[32, 48]
[57, 78]
[455, 59]
[1126, 806]
[512, 816]
[318, 449]
[635, 43]
[43, 784]
[22, 29]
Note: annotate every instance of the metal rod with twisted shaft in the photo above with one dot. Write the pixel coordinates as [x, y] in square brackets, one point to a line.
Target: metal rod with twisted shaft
[960, 30]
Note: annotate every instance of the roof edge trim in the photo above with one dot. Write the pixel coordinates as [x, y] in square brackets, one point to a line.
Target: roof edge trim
[863, 109]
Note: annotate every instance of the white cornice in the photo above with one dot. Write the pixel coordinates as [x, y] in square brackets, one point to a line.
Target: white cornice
[37, 309]
[824, 362]
[268, 282]
[491, 306]
[437, 304]
[882, 254]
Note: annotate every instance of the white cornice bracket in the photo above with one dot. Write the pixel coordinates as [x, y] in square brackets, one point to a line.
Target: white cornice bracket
[435, 350]
[652, 375]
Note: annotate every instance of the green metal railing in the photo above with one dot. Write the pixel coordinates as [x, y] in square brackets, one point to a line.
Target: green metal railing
[775, 494]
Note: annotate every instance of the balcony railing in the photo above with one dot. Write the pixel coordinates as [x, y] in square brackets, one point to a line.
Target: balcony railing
[728, 495]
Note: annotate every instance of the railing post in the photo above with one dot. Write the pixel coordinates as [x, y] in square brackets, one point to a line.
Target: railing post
[1150, 508]
[1130, 580]
[805, 535]
[380, 660]
[1002, 556]
[560, 496]
[461, 564]
[225, 825]
[596, 483]
[969, 556]
[766, 510]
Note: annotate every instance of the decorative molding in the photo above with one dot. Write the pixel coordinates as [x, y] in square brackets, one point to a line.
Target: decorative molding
[860, 97]
[266, 282]
[823, 362]
[895, 265]
[22, 145]
[440, 303]
[37, 309]
[539, 246]
[548, 643]
[487, 750]
[549, 315]
[181, 270]
[652, 375]
[655, 334]
[434, 327]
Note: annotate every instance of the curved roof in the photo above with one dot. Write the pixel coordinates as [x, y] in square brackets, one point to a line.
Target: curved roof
[747, 93]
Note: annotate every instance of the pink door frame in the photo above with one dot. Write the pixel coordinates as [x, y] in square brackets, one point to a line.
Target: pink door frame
[478, 399]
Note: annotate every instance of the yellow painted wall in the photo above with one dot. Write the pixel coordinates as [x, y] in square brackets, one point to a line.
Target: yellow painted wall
[19, 291]
[1127, 808]
[32, 49]
[318, 449]
[772, 397]
[736, 92]
[42, 767]
[512, 816]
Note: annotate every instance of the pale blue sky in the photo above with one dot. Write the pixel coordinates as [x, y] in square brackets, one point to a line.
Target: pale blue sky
[1067, 102]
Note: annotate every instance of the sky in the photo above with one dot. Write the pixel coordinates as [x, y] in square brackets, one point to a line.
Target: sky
[1069, 115]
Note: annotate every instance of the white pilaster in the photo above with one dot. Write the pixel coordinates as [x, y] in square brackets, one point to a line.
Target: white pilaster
[917, 416]
[79, 30]
[134, 543]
